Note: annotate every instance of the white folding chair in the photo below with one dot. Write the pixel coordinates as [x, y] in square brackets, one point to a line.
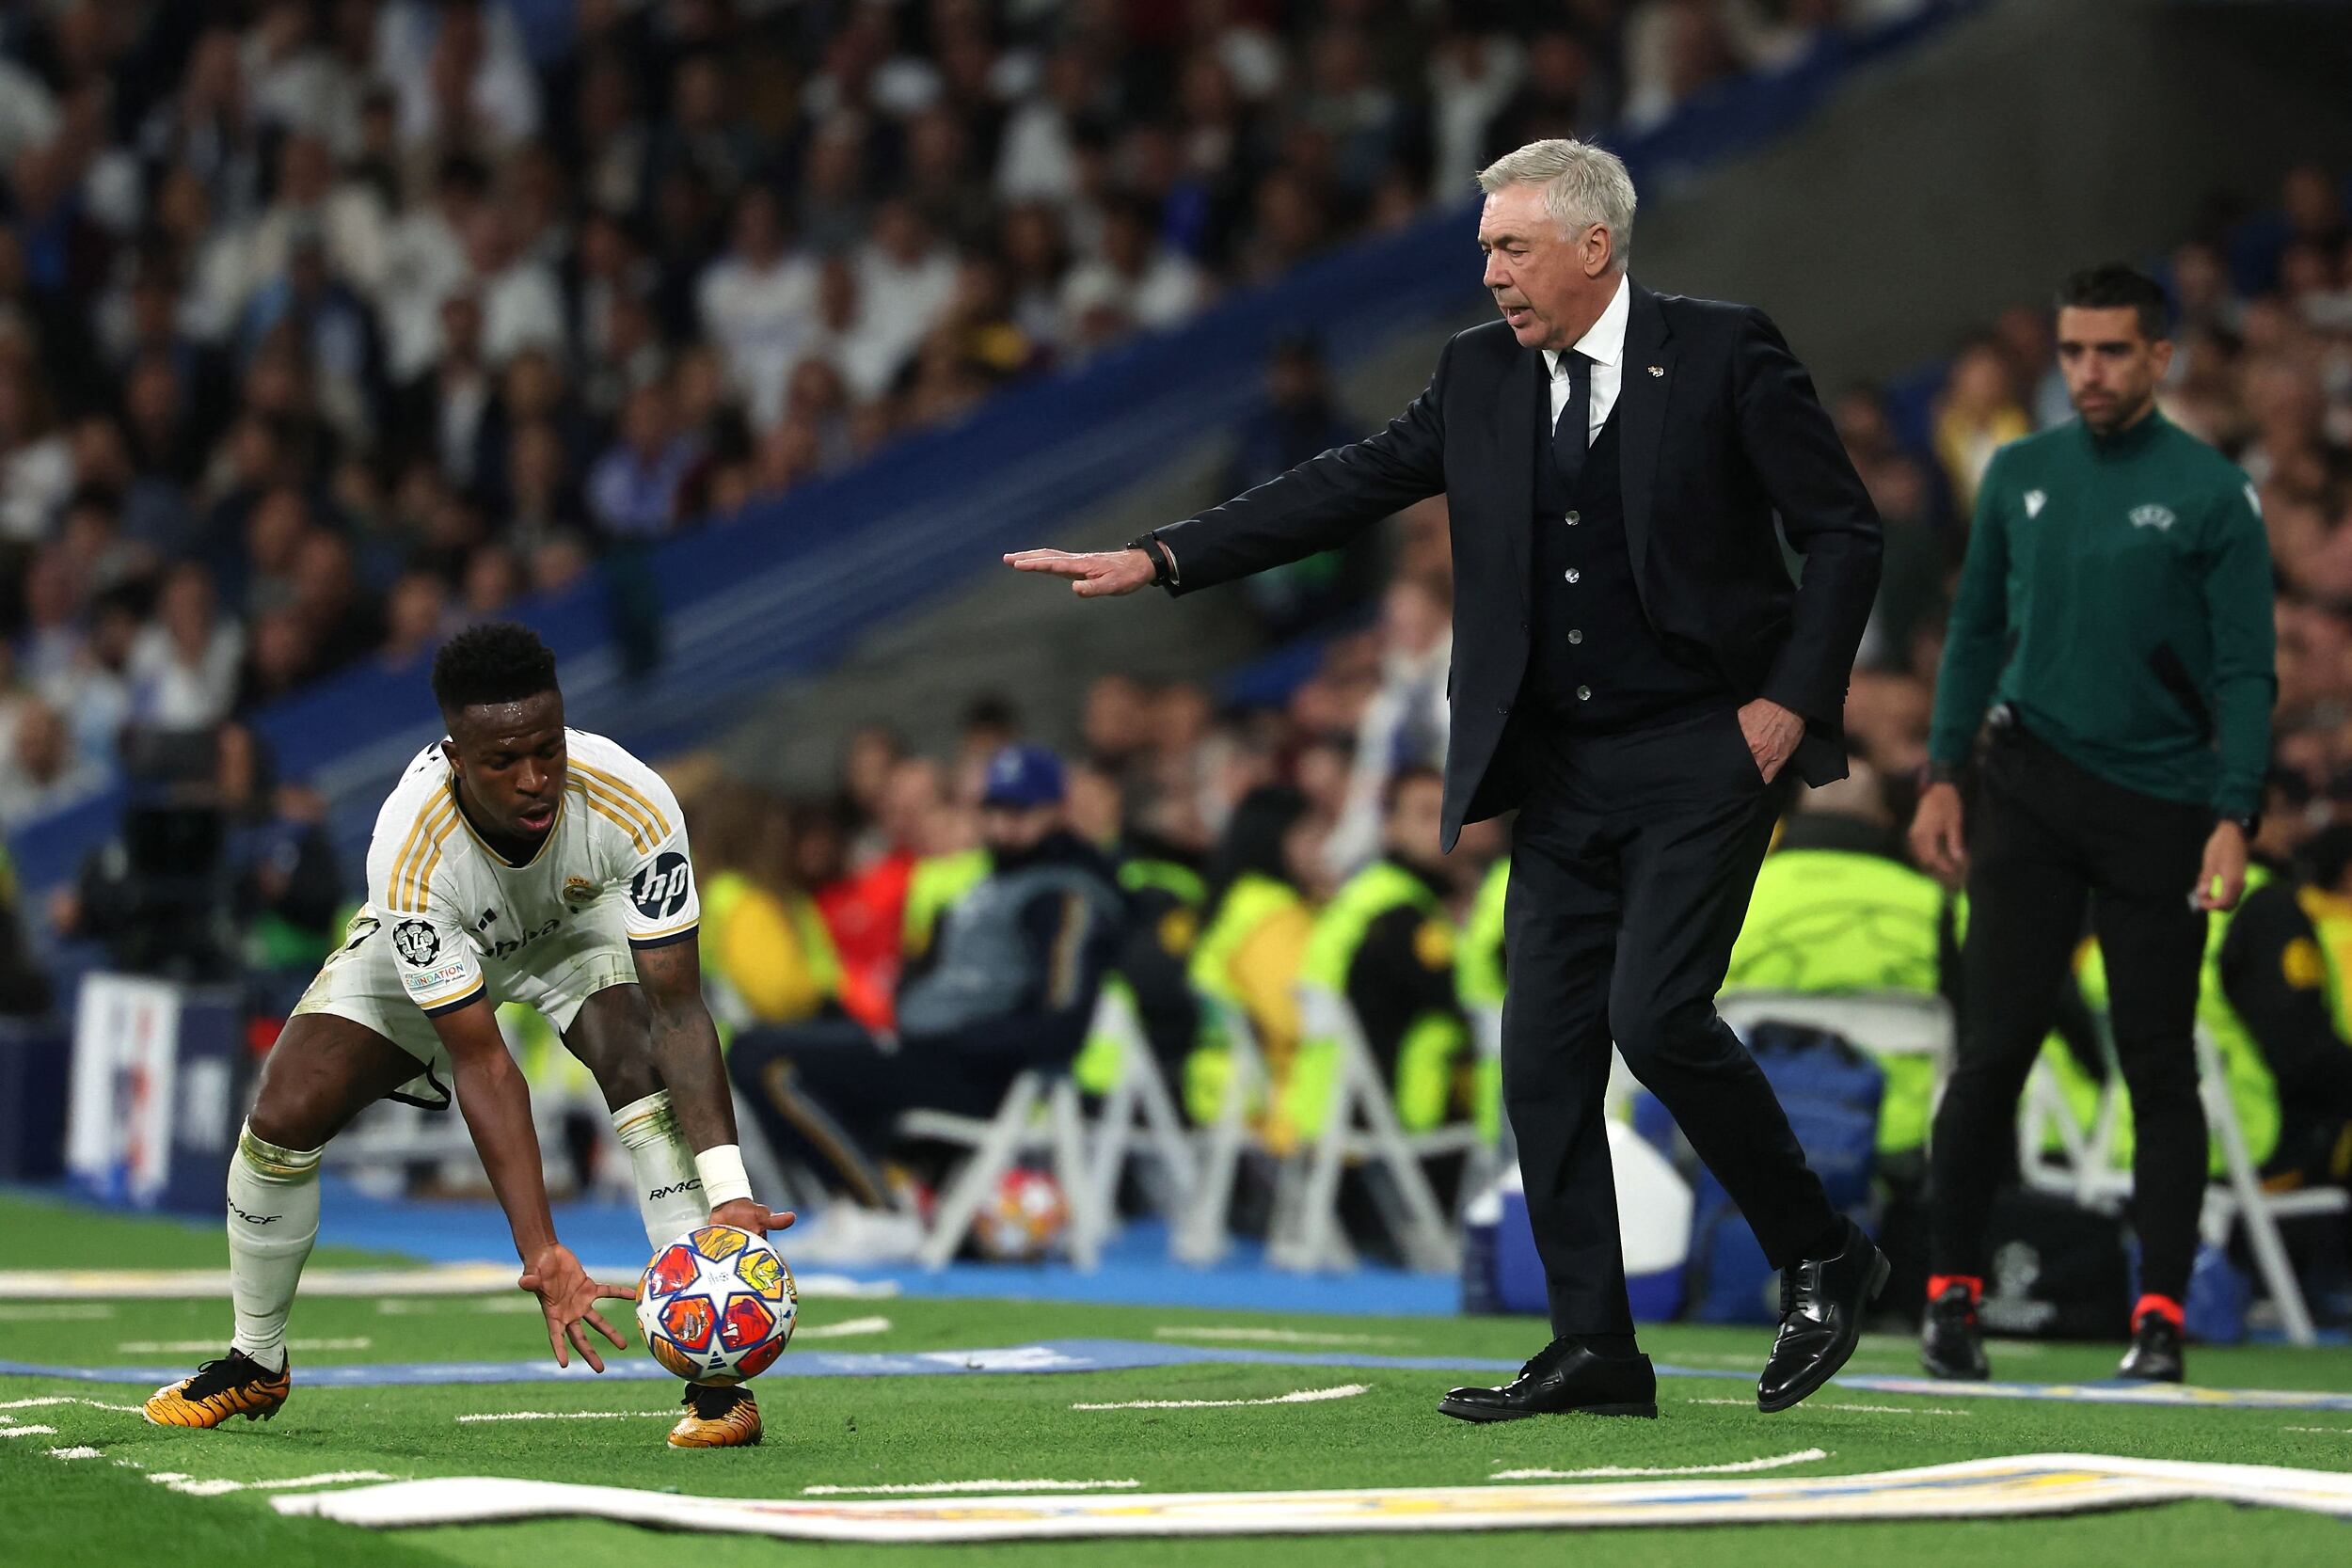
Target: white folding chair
[1361, 1126]
[1876, 1022]
[2091, 1176]
[1137, 1118]
[997, 1143]
[1201, 1235]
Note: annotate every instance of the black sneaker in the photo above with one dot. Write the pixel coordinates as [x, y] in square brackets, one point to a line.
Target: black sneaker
[2155, 1352]
[1951, 1346]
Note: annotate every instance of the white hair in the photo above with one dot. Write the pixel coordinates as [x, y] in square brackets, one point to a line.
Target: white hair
[1583, 184]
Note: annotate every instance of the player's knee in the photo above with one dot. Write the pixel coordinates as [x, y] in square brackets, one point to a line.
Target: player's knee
[281, 1120]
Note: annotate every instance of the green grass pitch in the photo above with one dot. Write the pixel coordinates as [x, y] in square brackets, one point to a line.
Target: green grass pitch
[866, 1432]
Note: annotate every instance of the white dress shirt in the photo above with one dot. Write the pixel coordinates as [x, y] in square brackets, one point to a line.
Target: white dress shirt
[1604, 345]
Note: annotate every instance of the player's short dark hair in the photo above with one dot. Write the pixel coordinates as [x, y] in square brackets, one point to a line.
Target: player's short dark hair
[2117, 287]
[501, 661]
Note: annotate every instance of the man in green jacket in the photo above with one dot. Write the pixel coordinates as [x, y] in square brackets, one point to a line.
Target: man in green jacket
[2115, 616]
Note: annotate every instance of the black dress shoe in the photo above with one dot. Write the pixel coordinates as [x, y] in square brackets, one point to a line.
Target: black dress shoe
[2155, 1352]
[1821, 1302]
[1562, 1377]
[1950, 1344]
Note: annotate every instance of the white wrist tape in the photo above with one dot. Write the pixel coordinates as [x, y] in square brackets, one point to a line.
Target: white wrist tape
[722, 1170]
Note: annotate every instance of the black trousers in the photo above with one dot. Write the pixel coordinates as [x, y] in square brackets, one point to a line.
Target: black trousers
[1632, 867]
[828, 1095]
[2045, 840]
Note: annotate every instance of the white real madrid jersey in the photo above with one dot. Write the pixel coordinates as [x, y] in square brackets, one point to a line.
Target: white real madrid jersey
[462, 918]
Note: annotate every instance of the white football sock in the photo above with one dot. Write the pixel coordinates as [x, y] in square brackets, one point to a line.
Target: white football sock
[273, 1219]
[669, 1189]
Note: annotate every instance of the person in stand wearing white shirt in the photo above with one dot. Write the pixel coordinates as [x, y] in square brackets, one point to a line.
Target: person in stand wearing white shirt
[1134, 282]
[910, 274]
[758, 303]
[184, 666]
[518, 861]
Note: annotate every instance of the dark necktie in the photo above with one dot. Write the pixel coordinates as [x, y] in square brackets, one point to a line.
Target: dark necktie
[1571, 433]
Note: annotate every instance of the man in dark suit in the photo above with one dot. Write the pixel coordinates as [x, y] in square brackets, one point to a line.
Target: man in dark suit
[1632, 668]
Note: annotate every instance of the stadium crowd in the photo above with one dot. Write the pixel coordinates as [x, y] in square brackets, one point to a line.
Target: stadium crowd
[327, 326]
[330, 326]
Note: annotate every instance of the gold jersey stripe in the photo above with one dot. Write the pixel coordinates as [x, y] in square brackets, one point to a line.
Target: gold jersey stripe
[660, 822]
[640, 832]
[432, 862]
[417, 830]
[435, 827]
[449, 1003]
[643, 937]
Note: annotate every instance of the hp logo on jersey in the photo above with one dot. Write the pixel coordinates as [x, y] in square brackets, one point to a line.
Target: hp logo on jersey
[660, 890]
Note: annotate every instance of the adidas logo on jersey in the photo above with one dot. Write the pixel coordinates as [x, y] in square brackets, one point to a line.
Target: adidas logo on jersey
[2158, 517]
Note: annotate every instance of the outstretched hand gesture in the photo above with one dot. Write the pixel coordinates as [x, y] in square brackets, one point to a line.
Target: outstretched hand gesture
[1093, 575]
[569, 1298]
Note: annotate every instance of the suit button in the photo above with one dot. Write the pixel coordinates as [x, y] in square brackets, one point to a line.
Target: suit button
[1584, 693]
[1573, 519]
[1522, 626]
[1502, 707]
[1573, 575]
[1575, 636]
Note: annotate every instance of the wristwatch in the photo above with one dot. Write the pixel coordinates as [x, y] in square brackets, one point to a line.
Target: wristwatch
[1937, 773]
[2248, 823]
[1161, 560]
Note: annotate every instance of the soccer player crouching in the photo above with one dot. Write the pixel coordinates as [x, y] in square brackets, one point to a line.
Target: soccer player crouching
[515, 861]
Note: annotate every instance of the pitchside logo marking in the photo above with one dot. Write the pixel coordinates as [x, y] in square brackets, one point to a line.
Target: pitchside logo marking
[660, 890]
[414, 940]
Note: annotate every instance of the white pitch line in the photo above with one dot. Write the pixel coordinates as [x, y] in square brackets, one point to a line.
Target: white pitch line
[419, 1306]
[1302, 1396]
[923, 1486]
[111, 1286]
[62, 1312]
[74, 1453]
[1278, 1337]
[847, 1329]
[190, 1347]
[560, 1415]
[60, 1399]
[1825, 1404]
[27, 1432]
[221, 1488]
[1620, 1472]
[2332, 1431]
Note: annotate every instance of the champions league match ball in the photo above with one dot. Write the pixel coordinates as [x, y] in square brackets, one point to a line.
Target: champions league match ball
[1023, 1220]
[717, 1304]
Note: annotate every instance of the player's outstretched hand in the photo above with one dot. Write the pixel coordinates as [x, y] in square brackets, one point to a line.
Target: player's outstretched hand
[569, 1298]
[757, 1218]
[1094, 575]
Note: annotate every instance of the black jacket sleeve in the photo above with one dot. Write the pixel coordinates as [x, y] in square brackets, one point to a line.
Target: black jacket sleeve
[1322, 503]
[1824, 510]
[2276, 982]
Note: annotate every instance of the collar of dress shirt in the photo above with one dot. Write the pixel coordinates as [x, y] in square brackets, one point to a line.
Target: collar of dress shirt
[1604, 341]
